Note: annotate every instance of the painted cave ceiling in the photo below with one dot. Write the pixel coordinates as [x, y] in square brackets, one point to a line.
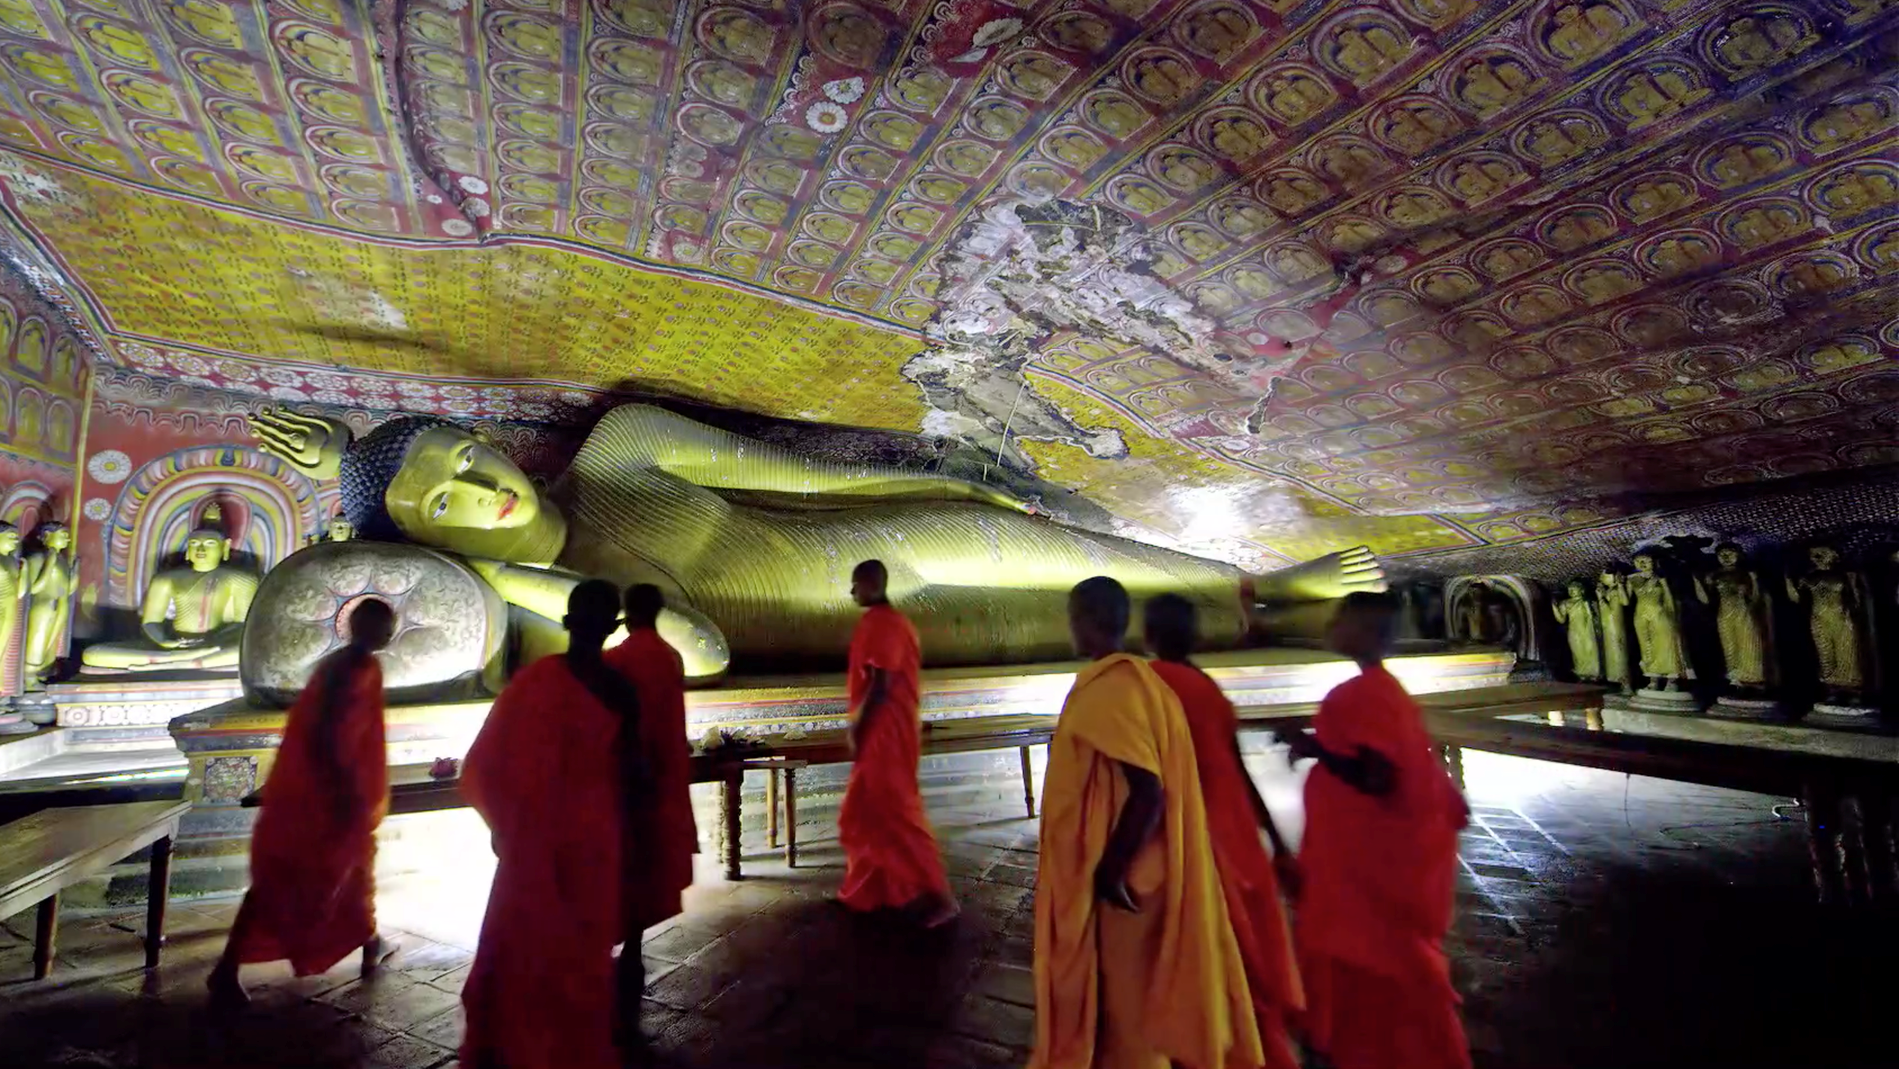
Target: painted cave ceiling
[1263, 279]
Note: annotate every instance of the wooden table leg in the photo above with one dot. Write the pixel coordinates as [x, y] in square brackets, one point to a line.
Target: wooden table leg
[791, 818]
[1028, 782]
[771, 807]
[45, 931]
[730, 804]
[157, 892]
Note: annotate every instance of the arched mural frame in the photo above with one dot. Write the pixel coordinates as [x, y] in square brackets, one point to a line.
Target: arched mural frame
[282, 505]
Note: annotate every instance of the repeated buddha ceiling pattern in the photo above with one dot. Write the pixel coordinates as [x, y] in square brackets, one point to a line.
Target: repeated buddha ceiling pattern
[1614, 247]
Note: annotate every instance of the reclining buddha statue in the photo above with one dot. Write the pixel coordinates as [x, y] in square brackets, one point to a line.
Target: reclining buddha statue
[753, 544]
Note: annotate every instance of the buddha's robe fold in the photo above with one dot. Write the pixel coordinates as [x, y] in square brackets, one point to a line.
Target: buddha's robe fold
[662, 838]
[1115, 989]
[545, 774]
[1379, 890]
[1246, 869]
[890, 854]
[313, 850]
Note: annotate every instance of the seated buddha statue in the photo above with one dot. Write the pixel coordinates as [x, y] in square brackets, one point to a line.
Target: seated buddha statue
[753, 545]
[192, 616]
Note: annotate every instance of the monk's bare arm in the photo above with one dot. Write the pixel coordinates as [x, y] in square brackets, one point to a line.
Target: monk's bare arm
[1140, 817]
[1367, 771]
[873, 699]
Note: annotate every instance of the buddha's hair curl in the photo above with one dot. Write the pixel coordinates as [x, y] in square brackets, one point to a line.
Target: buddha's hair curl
[370, 465]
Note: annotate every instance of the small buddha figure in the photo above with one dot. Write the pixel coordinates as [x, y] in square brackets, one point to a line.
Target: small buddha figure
[1740, 605]
[1657, 626]
[51, 576]
[192, 616]
[12, 609]
[1612, 600]
[1579, 34]
[1834, 603]
[1577, 614]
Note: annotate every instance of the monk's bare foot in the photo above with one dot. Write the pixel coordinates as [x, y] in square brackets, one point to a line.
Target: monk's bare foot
[376, 953]
[939, 912]
[227, 992]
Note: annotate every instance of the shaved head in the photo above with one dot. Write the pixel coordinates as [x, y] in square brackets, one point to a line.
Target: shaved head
[643, 602]
[1365, 626]
[1172, 627]
[593, 611]
[870, 583]
[1098, 610]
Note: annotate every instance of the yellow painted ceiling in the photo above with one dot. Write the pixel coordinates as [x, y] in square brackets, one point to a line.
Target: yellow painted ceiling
[1619, 247]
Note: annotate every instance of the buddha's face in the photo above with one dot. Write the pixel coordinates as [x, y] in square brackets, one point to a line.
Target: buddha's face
[57, 540]
[205, 552]
[9, 543]
[1645, 565]
[1823, 557]
[451, 483]
[1728, 556]
[1575, 590]
[341, 530]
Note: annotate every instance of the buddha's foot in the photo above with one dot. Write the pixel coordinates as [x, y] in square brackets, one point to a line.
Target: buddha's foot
[1324, 579]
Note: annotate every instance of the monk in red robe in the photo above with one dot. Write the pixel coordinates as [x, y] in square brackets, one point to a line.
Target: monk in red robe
[890, 853]
[548, 773]
[313, 852]
[661, 836]
[1236, 814]
[1379, 862]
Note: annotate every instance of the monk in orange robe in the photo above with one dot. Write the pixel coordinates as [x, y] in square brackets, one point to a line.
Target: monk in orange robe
[890, 856]
[1236, 814]
[1379, 862]
[313, 852]
[1136, 966]
[661, 836]
[548, 774]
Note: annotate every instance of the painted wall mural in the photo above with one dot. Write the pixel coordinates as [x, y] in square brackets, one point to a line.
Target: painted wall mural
[1425, 274]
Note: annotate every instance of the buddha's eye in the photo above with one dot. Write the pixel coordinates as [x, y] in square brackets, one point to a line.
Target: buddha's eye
[467, 461]
[441, 507]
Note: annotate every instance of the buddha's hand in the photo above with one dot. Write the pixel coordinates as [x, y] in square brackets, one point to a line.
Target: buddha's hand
[311, 444]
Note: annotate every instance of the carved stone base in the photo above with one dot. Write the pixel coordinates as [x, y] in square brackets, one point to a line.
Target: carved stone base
[1732, 708]
[1848, 717]
[1664, 701]
[1617, 699]
[12, 723]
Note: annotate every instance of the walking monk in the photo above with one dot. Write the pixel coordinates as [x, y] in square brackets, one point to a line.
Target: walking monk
[313, 852]
[660, 837]
[1379, 861]
[546, 773]
[1135, 961]
[890, 857]
[1236, 814]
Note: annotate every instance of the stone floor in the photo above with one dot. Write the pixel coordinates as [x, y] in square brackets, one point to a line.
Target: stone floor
[1605, 922]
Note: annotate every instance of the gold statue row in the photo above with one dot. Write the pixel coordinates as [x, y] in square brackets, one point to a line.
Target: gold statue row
[36, 604]
[1644, 605]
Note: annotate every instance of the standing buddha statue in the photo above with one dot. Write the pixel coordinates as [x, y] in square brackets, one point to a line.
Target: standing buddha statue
[1739, 616]
[12, 606]
[1612, 600]
[1833, 598]
[1578, 614]
[1657, 626]
[51, 576]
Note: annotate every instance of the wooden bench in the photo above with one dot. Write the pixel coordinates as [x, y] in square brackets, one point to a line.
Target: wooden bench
[53, 849]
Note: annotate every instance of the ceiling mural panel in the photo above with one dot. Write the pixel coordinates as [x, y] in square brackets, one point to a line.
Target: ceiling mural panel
[1423, 273]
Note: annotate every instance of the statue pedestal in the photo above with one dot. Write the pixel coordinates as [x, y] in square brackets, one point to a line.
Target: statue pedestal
[135, 708]
[1733, 708]
[1849, 717]
[1664, 701]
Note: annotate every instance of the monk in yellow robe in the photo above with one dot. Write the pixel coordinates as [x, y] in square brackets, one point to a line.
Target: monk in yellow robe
[1136, 966]
[1380, 865]
[1236, 815]
[890, 856]
[313, 851]
[547, 774]
[661, 836]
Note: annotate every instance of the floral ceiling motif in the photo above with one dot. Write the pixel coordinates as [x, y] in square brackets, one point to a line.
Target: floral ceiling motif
[1614, 246]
